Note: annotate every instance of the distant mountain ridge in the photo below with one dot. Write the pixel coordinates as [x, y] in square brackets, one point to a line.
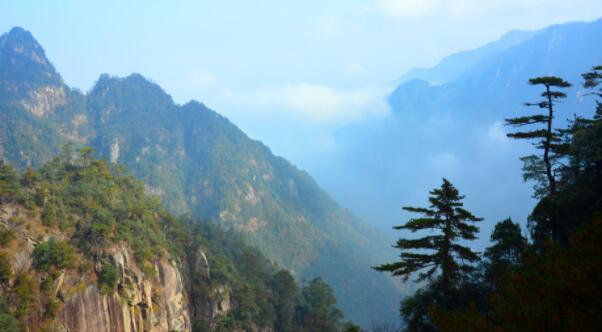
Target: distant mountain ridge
[453, 66]
[197, 162]
[565, 50]
[450, 123]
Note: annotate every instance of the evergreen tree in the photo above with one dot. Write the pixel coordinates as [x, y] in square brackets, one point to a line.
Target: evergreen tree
[442, 250]
[541, 168]
[507, 250]
[593, 80]
[285, 296]
[318, 312]
[9, 182]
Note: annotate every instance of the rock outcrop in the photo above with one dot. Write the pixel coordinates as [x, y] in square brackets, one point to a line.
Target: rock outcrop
[141, 303]
[153, 298]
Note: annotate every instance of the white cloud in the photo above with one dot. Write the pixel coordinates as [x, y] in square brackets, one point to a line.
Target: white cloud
[316, 103]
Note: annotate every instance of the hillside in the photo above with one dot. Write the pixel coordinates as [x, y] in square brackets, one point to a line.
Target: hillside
[197, 162]
[84, 248]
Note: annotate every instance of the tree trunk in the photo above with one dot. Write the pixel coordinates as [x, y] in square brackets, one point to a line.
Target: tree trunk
[548, 163]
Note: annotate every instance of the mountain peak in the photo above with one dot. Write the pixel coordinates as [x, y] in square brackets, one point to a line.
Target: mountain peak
[23, 60]
[20, 42]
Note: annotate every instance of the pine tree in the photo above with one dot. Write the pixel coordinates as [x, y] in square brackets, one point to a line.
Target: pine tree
[442, 250]
[541, 168]
[592, 80]
[9, 182]
[507, 250]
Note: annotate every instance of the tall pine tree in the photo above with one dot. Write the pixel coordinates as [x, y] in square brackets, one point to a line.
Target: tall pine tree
[441, 250]
[550, 141]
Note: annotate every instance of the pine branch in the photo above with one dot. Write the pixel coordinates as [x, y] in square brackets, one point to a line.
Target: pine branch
[541, 133]
[526, 120]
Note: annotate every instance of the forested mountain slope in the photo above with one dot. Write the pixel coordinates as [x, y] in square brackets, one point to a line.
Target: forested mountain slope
[197, 162]
[84, 248]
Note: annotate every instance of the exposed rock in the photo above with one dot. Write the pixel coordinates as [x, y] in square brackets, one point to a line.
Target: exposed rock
[141, 304]
[222, 304]
[44, 100]
[200, 264]
[114, 155]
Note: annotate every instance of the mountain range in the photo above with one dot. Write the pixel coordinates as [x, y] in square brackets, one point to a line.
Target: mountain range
[447, 121]
[198, 163]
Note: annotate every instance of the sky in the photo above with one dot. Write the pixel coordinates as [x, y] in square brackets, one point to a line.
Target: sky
[289, 73]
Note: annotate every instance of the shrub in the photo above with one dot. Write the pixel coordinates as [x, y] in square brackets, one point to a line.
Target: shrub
[25, 291]
[6, 235]
[107, 278]
[52, 308]
[5, 269]
[53, 254]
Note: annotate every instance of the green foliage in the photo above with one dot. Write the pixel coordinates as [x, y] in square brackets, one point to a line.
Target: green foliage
[8, 322]
[99, 206]
[507, 251]
[9, 182]
[197, 162]
[6, 236]
[285, 297]
[108, 278]
[442, 250]
[318, 312]
[25, 291]
[5, 269]
[53, 306]
[556, 291]
[53, 255]
[553, 283]
[543, 169]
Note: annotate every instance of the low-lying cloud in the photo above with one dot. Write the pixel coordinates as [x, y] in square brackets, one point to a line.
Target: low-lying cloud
[317, 103]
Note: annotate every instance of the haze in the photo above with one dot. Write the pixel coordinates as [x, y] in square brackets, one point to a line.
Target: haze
[294, 75]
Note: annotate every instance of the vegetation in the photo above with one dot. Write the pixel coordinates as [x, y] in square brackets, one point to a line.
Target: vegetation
[53, 255]
[550, 283]
[196, 162]
[547, 139]
[108, 278]
[95, 206]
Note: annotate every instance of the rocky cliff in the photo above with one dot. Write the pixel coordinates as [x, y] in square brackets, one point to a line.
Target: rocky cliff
[155, 297]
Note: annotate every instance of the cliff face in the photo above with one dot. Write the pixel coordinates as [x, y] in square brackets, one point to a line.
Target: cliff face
[155, 297]
[141, 303]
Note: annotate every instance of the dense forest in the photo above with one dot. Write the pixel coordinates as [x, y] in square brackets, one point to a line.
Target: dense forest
[76, 209]
[546, 281]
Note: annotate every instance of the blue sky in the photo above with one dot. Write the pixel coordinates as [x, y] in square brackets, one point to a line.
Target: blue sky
[290, 73]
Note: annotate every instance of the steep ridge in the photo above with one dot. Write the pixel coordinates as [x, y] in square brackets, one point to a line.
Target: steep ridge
[200, 163]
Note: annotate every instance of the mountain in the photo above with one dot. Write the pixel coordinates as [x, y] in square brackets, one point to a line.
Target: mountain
[83, 248]
[451, 68]
[496, 83]
[450, 124]
[198, 163]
